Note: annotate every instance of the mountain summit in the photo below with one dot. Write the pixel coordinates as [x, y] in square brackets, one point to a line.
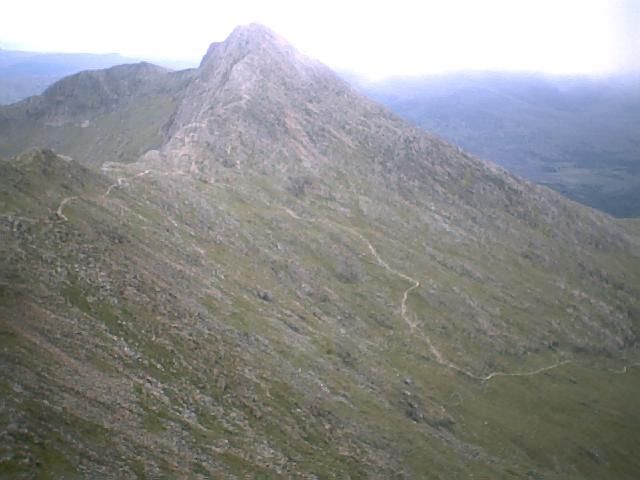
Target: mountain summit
[253, 39]
[248, 270]
[255, 85]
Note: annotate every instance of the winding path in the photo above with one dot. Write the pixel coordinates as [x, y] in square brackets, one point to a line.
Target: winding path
[412, 325]
[119, 183]
[123, 180]
[61, 206]
[438, 356]
[625, 369]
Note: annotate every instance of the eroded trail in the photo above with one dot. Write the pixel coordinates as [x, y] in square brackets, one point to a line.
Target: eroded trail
[625, 369]
[381, 262]
[439, 357]
[385, 265]
[61, 207]
[403, 309]
[437, 354]
[120, 182]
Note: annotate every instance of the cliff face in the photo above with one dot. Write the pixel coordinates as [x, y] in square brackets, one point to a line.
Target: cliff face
[292, 282]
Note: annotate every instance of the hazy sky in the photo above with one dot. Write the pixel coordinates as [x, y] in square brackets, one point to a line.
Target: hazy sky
[375, 38]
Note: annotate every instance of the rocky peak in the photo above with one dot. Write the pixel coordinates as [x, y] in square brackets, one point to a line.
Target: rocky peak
[246, 37]
[260, 50]
[254, 84]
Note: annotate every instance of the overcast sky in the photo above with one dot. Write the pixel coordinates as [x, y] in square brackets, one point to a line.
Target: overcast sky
[374, 38]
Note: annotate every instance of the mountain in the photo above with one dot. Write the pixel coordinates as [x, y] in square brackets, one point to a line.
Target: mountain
[292, 282]
[576, 135]
[23, 74]
[97, 115]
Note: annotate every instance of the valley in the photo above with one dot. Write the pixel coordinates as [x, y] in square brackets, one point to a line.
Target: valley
[575, 135]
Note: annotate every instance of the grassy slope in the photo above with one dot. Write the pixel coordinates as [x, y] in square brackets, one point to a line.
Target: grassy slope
[145, 116]
[97, 116]
[190, 324]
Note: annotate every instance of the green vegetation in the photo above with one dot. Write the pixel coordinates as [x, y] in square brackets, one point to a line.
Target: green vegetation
[108, 115]
[200, 312]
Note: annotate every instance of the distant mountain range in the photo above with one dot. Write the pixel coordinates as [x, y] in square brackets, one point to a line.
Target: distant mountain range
[23, 74]
[578, 135]
[249, 270]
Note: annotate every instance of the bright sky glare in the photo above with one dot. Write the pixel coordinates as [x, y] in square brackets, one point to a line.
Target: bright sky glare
[373, 38]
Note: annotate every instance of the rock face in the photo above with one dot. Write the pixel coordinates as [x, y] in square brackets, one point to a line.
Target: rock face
[256, 101]
[291, 282]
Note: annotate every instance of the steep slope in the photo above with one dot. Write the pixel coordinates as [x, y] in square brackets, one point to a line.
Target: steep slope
[298, 284]
[576, 135]
[96, 116]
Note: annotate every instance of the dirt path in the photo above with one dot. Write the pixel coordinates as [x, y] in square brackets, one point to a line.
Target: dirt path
[385, 265]
[625, 369]
[438, 356]
[415, 284]
[61, 206]
[120, 182]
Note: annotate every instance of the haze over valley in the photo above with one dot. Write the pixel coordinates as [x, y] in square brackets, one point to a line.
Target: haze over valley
[575, 134]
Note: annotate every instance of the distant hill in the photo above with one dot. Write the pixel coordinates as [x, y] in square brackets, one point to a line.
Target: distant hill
[578, 136]
[114, 114]
[23, 74]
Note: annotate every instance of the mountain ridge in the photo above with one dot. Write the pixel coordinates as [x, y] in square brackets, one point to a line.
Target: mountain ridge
[96, 116]
[292, 282]
[24, 74]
